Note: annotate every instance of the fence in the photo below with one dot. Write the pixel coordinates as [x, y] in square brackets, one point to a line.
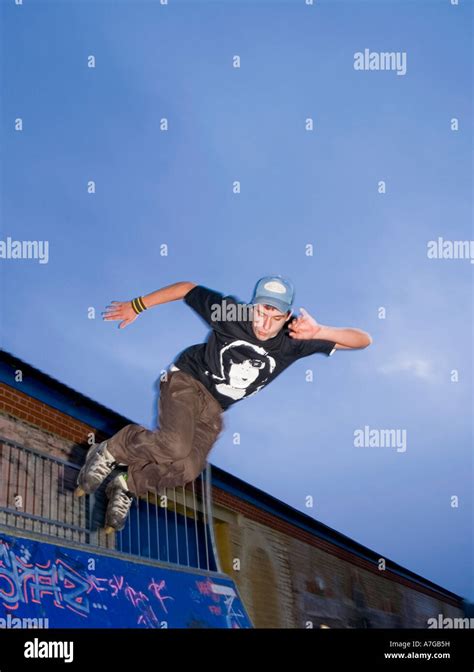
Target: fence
[37, 495]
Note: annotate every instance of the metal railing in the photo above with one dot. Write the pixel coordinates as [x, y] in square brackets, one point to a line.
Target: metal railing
[37, 495]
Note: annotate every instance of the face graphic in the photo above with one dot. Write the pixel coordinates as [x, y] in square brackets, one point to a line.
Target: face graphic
[244, 369]
[267, 321]
[243, 374]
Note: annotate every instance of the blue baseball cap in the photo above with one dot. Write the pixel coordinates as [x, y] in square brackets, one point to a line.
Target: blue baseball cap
[275, 291]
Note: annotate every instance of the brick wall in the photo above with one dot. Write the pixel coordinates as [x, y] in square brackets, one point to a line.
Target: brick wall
[286, 581]
[35, 425]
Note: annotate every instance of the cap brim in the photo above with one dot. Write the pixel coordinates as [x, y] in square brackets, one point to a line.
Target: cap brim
[270, 301]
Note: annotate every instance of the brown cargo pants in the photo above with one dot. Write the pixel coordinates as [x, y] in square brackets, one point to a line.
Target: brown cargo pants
[190, 420]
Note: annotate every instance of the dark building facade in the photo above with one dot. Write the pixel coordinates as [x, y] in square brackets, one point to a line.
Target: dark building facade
[289, 570]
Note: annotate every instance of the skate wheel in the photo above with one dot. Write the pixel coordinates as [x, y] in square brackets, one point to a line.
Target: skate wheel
[79, 492]
[109, 529]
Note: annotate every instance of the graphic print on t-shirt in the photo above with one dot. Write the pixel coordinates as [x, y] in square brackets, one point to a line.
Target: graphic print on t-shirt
[244, 369]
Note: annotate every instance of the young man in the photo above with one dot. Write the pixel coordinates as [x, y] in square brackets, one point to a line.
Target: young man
[247, 347]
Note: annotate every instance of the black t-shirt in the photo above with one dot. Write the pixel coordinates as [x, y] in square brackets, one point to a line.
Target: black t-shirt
[233, 363]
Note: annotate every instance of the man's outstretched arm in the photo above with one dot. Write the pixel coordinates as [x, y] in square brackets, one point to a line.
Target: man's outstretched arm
[123, 310]
[346, 338]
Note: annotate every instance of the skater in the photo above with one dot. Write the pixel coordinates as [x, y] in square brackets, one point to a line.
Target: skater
[247, 347]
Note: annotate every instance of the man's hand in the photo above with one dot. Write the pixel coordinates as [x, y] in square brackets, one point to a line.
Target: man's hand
[123, 310]
[120, 310]
[304, 326]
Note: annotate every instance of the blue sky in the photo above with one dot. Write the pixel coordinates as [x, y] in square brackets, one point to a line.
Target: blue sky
[297, 188]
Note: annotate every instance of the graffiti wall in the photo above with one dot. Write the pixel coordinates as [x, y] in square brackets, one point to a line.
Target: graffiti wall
[44, 585]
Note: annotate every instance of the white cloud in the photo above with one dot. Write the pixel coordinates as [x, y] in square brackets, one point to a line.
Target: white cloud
[420, 368]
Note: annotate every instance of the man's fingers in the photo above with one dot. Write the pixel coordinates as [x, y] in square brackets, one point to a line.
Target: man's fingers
[115, 305]
[126, 322]
[297, 324]
[304, 313]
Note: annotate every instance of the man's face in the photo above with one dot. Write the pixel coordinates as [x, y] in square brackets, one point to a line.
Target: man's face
[267, 321]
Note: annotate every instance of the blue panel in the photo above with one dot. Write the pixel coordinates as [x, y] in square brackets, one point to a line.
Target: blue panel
[78, 589]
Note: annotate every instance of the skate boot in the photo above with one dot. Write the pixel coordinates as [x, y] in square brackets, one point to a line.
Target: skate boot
[120, 501]
[98, 465]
